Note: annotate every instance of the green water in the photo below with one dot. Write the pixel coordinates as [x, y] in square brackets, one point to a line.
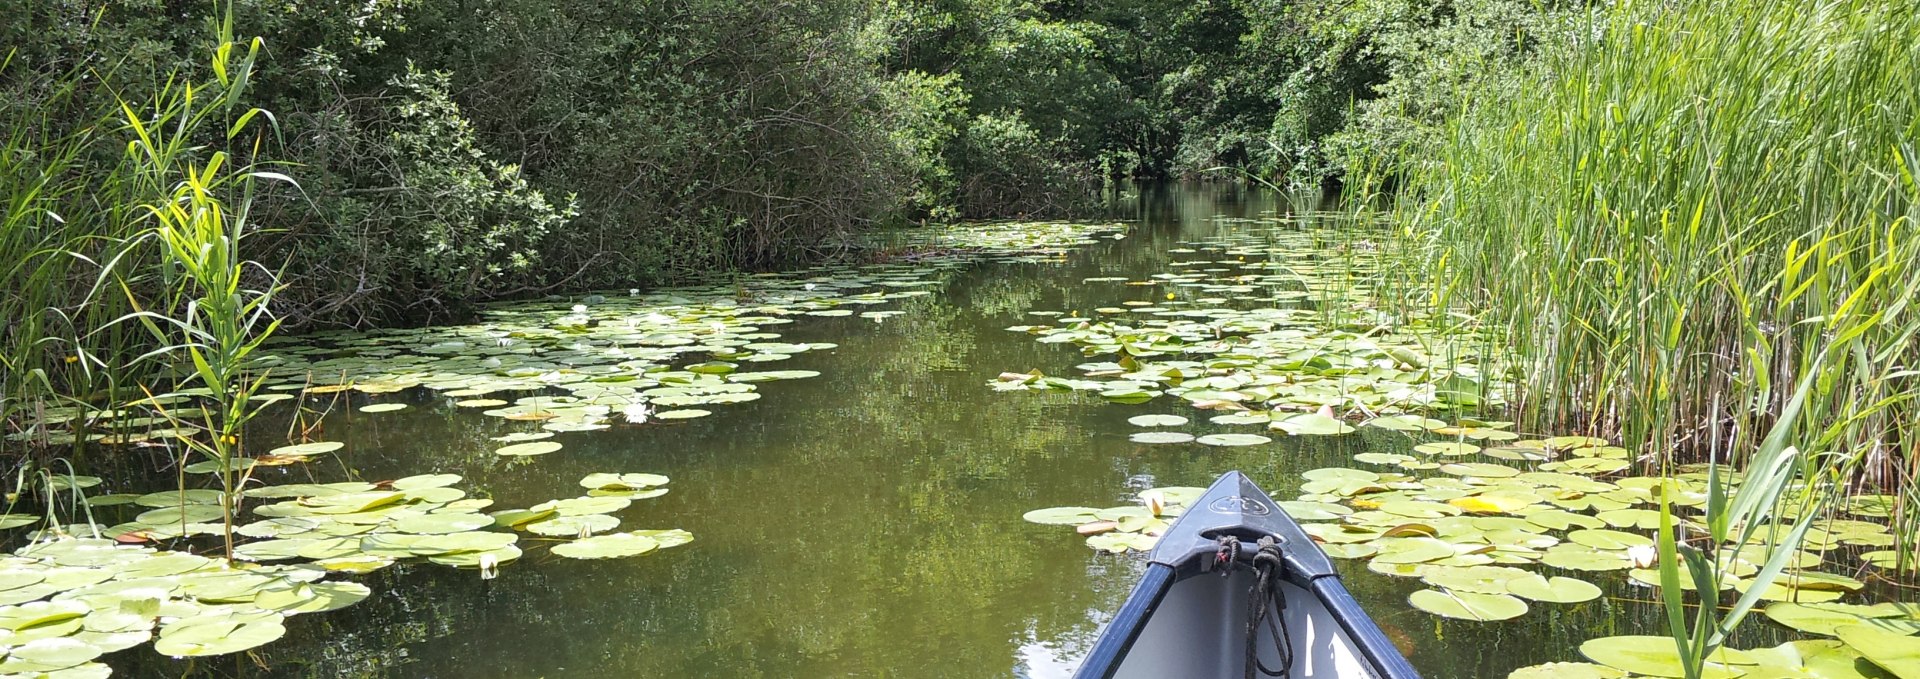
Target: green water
[865, 523]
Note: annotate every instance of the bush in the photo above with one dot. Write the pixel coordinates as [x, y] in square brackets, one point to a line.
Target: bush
[1008, 169]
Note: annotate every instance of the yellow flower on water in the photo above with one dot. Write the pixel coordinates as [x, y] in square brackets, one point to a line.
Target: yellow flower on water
[1169, 295]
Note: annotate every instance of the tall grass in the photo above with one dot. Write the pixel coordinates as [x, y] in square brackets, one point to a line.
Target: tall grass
[1685, 209]
[122, 248]
[70, 210]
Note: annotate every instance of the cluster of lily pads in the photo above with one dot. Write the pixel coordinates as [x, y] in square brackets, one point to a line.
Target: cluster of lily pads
[1258, 321]
[612, 357]
[68, 600]
[569, 365]
[1476, 514]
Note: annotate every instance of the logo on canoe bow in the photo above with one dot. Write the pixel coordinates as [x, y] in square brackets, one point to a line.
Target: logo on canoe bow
[1239, 504]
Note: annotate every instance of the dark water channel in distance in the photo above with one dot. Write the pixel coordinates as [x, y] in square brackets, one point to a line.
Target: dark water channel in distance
[864, 523]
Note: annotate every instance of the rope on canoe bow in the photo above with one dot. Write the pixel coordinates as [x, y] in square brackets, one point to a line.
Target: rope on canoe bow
[1266, 604]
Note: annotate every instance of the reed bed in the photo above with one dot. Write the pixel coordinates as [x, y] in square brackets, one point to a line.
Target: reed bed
[1690, 209]
[90, 175]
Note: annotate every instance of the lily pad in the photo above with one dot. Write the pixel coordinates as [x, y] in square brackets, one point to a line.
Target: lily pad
[1892, 651]
[1566, 670]
[528, 449]
[1062, 516]
[1160, 437]
[576, 526]
[1826, 618]
[1311, 424]
[1559, 590]
[1656, 656]
[607, 546]
[438, 524]
[218, 634]
[1468, 605]
[1233, 440]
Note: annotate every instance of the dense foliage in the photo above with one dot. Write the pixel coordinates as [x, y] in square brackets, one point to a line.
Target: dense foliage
[444, 154]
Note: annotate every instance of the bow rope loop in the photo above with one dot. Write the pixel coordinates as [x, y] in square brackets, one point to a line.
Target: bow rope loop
[1268, 604]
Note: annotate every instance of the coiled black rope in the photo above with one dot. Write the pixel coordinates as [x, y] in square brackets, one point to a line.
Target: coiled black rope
[1266, 604]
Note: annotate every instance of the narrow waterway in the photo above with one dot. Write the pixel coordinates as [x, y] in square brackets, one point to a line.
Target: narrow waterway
[863, 523]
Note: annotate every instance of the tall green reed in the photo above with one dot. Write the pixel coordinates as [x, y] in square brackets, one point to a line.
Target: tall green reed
[1700, 232]
[1683, 212]
[218, 312]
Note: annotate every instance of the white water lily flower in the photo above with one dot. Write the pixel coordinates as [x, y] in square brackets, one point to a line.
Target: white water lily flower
[633, 292]
[637, 413]
[579, 308]
[809, 287]
[489, 566]
[1643, 556]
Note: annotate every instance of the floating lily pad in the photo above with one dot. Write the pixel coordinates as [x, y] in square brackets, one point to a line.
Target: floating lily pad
[1064, 516]
[1825, 618]
[49, 655]
[1447, 448]
[1406, 423]
[1656, 656]
[529, 449]
[1233, 440]
[1311, 424]
[1468, 605]
[437, 524]
[1555, 590]
[607, 546]
[1121, 542]
[607, 481]
[218, 634]
[1156, 420]
[1811, 658]
[1566, 670]
[581, 525]
[1160, 437]
[1892, 651]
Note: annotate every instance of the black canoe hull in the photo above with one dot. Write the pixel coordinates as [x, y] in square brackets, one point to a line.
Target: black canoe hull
[1185, 620]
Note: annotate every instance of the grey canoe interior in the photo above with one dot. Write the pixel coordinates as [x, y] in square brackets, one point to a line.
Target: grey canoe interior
[1188, 618]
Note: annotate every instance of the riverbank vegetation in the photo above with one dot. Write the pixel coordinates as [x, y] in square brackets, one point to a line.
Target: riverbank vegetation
[439, 159]
[1674, 220]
